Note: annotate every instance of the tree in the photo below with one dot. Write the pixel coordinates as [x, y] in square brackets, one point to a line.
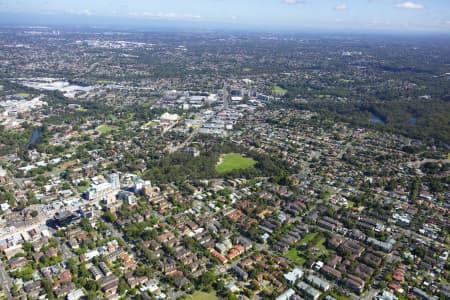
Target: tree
[414, 190]
[91, 285]
[48, 287]
[110, 217]
[206, 280]
[27, 247]
[86, 225]
[123, 286]
[92, 295]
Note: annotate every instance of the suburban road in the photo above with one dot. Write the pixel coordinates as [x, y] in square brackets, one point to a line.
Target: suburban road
[5, 281]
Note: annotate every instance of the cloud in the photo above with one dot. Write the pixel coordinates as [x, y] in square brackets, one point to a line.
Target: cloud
[290, 2]
[86, 12]
[342, 6]
[167, 15]
[410, 5]
[83, 12]
[164, 15]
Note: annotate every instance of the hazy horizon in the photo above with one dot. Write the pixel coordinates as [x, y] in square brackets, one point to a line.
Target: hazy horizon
[418, 16]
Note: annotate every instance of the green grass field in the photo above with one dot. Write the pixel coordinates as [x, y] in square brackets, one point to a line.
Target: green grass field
[308, 238]
[279, 90]
[203, 296]
[152, 124]
[293, 256]
[233, 161]
[104, 129]
[82, 189]
[247, 70]
[24, 95]
[300, 257]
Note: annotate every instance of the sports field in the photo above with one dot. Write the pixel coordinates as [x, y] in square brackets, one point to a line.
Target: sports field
[202, 296]
[104, 129]
[279, 90]
[234, 161]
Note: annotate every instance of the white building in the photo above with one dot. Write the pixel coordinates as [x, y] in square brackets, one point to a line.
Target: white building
[75, 295]
[4, 206]
[104, 190]
[286, 295]
[114, 180]
[169, 118]
[318, 282]
[293, 276]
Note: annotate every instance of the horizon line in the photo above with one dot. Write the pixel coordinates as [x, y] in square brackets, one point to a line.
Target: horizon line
[70, 20]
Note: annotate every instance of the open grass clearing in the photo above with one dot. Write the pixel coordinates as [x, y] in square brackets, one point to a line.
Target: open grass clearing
[293, 256]
[234, 161]
[203, 296]
[279, 90]
[152, 124]
[104, 129]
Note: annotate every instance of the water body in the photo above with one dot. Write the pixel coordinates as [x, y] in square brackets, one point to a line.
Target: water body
[34, 138]
[376, 119]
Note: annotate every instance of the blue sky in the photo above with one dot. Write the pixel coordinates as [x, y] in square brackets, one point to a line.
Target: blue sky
[408, 15]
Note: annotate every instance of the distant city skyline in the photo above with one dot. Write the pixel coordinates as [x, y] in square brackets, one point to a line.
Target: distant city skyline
[387, 15]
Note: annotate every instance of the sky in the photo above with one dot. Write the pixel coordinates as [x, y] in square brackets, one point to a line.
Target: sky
[388, 15]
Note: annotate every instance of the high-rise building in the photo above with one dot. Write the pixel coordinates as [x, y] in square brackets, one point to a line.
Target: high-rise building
[114, 180]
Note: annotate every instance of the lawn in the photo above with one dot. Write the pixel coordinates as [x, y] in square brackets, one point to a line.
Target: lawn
[321, 244]
[152, 124]
[247, 70]
[203, 296]
[67, 164]
[279, 90]
[292, 255]
[322, 250]
[234, 161]
[82, 188]
[104, 129]
[24, 95]
[300, 257]
[308, 238]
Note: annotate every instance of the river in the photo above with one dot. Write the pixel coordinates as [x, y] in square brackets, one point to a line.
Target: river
[34, 138]
[377, 119]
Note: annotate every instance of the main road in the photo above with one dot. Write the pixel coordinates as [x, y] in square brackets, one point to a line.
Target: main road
[5, 281]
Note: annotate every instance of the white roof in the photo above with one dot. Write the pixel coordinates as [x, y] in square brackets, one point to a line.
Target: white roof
[286, 295]
[198, 98]
[91, 254]
[169, 117]
[4, 206]
[293, 275]
[77, 294]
